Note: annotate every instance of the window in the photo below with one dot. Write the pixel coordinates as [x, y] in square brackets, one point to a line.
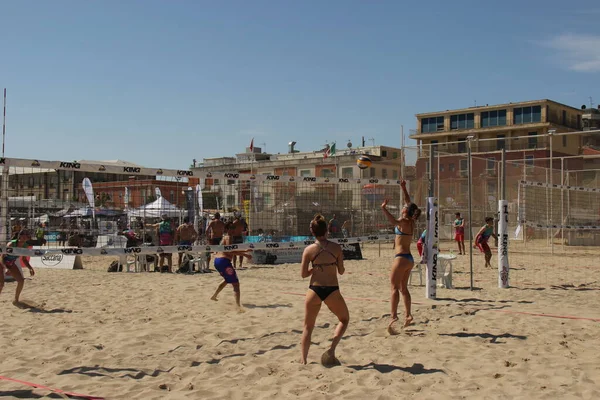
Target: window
[451, 167]
[464, 167]
[464, 187]
[491, 187]
[441, 167]
[527, 115]
[491, 164]
[395, 154]
[493, 118]
[384, 173]
[532, 140]
[529, 161]
[462, 121]
[172, 196]
[267, 199]
[347, 172]
[383, 153]
[305, 172]
[30, 182]
[372, 172]
[462, 145]
[394, 174]
[326, 173]
[564, 141]
[230, 199]
[500, 142]
[564, 118]
[433, 124]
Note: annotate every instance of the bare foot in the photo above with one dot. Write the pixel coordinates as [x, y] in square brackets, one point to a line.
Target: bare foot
[390, 328]
[328, 359]
[214, 298]
[303, 361]
[19, 304]
[408, 321]
[241, 309]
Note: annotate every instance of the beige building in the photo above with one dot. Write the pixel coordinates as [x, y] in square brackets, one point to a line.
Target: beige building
[386, 164]
[502, 122]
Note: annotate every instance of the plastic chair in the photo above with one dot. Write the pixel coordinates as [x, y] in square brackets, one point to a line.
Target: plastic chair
[416, 269]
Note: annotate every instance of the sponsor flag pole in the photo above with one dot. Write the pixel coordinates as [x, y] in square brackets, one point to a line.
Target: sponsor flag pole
[503, 266]
[89, 194]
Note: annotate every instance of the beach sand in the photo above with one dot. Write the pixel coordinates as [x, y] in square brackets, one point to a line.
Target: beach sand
[158, 336]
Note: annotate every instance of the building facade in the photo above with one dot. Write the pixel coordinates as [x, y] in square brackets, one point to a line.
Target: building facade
[521, 129]
[387, 164]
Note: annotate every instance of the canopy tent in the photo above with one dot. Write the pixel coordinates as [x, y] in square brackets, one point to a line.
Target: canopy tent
[156, 209]
[87, 212]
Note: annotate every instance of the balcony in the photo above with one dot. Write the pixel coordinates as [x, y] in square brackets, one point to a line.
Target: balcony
[418, 134]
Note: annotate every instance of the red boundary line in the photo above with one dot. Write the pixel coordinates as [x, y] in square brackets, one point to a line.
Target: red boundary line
[37, 386]
[503, 311]
[547, 315]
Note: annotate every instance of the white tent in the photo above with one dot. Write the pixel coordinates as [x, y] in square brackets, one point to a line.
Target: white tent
[155, 209]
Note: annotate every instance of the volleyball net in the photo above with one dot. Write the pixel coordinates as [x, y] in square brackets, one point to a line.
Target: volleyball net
[85, 207]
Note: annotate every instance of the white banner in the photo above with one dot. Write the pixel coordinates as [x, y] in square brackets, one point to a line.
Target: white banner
[432, 247]
[89, 194]
[126, 198]
[157, 192]
[111, 251]
[503, 267]
[143, 171]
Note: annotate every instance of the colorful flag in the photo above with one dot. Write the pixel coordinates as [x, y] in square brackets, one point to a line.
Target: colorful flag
[330, 151]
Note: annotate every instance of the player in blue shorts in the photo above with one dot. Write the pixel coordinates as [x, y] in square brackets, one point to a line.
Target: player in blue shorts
[225, 267]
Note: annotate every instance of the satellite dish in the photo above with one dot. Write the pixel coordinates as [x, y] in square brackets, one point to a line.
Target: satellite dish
[349, 145]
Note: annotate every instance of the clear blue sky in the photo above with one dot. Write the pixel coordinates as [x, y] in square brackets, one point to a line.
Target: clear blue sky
[162, 82]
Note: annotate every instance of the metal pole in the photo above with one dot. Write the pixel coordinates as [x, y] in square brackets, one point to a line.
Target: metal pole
[431, 147]
[4, 124]
[524, 204]
[562, 202]
[469, 180]
[551, 135]
[402, 154]
[503, 167]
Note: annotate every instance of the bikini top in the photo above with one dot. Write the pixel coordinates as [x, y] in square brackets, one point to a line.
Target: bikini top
[323, 249]
[400, 233]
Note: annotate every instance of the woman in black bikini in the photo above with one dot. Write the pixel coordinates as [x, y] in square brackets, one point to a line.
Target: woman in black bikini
[403, 260]
[327, 261]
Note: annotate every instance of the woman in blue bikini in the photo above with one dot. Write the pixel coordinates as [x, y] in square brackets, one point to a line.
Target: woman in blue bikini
[403, 260]
[326, 259]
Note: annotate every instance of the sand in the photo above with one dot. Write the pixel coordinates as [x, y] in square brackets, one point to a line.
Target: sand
[158, 336]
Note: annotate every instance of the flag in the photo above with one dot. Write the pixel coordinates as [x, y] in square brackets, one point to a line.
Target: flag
[330, 151]
[252, 146]
[89, 193]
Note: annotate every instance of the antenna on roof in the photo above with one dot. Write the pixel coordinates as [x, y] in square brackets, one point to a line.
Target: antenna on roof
[372, 141]
[264, 147]
[591, 102]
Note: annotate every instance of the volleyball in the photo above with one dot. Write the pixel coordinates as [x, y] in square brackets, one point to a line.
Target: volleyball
[363, 162]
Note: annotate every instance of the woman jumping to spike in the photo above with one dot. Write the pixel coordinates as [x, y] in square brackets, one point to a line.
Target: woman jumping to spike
[327, 261]
[403, 260]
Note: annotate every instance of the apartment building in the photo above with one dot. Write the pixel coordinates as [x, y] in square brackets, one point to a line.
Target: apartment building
[519, 128]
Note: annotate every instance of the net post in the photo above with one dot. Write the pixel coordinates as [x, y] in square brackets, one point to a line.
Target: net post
[470, 200]
[432, 247]
[503, 266]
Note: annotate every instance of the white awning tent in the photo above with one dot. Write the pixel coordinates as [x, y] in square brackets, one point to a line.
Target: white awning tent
[156, 209]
